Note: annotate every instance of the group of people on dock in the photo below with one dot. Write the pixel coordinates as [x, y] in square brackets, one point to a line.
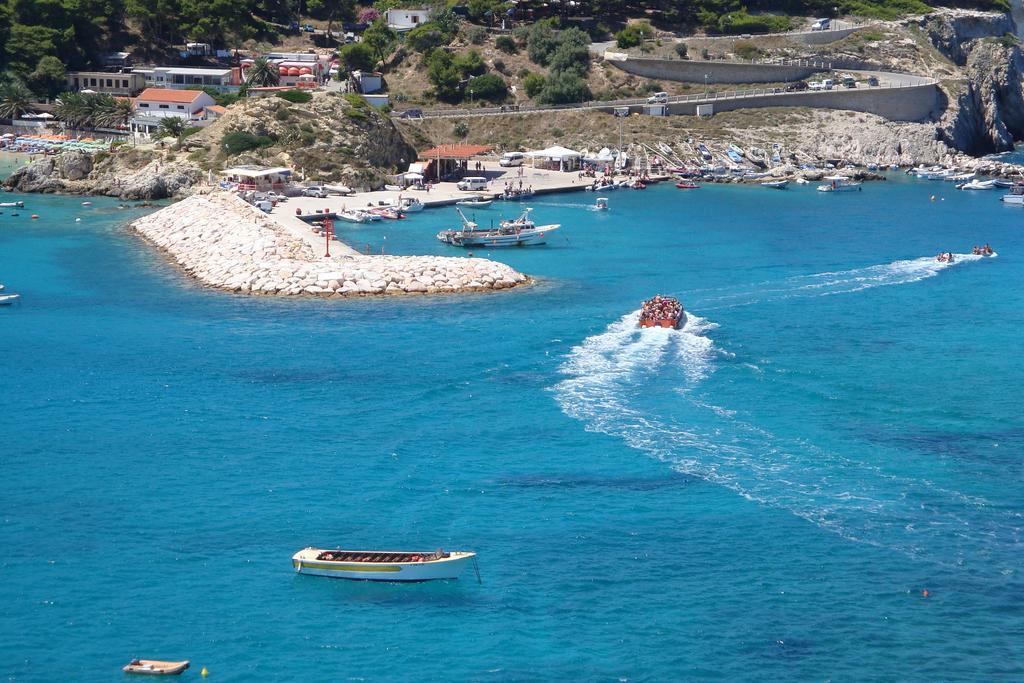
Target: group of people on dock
[982, 251]
[661, 308]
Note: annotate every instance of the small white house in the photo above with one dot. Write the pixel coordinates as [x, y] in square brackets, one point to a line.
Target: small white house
[155, 104]
[407, 19]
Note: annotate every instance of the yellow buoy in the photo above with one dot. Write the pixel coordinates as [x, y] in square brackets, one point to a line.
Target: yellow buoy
[204, 673]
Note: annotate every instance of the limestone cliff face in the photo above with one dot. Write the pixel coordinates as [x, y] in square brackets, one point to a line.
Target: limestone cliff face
[119, 175]
[951, 30]
[988, 114]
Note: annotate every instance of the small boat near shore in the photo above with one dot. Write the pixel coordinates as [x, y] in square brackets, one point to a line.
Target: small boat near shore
[687, 185]
[8, 299]
[839, 183]
[477, 202]
[661, 311]
[13, 205]
[155, 667]
[381, 565]
[355, 216]
[776, 184]
[1015, 196]
[977, 184]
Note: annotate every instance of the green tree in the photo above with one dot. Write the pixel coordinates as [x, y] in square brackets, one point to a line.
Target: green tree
[357, 57]
[572, 53]
[15, 97]
[49, 77]
[426, 37]
[262, 73]
[71, 108]
[506, 44]
[171, 126]
[157, 21]
[332, 10]
[379, 38]
[217, 22]
[489, 87]
[444, 76]
[469, 63]
[533, 84]
[28, 44]
[541, 42]
[564, 87]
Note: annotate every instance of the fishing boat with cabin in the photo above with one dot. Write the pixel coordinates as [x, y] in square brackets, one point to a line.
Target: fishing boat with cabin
[382, 565]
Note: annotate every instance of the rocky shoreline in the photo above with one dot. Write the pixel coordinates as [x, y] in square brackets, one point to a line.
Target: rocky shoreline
[227, 244]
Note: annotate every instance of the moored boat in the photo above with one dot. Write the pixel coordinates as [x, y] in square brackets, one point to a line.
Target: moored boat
[776, 184]
[977, 184]
[661, 311]
[13, 205]
[155, 667]
[839, 183]
[411, 205]
[355, 216]
[477, 202]
[1015, 196]
[381, 565]
[686, 185]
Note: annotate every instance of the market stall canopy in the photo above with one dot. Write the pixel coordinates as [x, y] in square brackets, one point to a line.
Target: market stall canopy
[555, 152]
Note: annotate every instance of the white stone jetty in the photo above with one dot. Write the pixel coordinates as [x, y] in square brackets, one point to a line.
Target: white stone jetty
[226, 243]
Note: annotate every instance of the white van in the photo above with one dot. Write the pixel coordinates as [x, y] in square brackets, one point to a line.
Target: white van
[511, 159]
[472, 183]
[821, 25]
[658, 98]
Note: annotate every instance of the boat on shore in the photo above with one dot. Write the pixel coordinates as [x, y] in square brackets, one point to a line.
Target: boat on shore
[155, 667]
[381, 565]
[839, 183]
[661, 311]
[776, 184]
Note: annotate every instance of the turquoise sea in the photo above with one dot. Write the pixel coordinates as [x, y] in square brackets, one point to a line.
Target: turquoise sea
[764, 495]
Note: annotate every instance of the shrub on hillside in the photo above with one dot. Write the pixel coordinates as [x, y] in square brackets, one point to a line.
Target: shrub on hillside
[564, 87]
[681, 50]
[506, 44]
[533, 84]
[295, 96]
[242, 141]
[744, 49]
[444, 76]
[476, 34]
[469, 64]
[633, 34]
[735, 23]
[426, 37]
[490, 87]
[357, 56]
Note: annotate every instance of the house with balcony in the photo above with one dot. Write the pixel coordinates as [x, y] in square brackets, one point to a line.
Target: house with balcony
[180, 77]
[402, 20]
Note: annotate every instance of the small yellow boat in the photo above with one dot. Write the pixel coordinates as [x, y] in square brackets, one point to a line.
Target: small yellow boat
[381, 565]
[155, 667]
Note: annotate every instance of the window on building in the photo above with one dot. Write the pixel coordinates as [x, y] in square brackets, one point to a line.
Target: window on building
[181, 106]
[92, 81]
[110, 82]
[165, 106]
[124, 84]
[143, 104]
[415, 18]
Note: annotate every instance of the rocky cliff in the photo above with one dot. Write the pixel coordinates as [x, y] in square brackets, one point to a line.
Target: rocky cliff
[987, 115]
[950, 31]
[128, 175]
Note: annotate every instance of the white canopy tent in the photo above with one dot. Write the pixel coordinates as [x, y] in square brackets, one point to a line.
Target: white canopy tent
[567, 159]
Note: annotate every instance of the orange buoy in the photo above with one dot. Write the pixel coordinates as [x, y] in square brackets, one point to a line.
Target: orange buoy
[925, 593]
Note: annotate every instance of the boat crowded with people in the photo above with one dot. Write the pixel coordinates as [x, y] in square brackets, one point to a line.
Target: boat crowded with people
[381, 565]
[661, 311]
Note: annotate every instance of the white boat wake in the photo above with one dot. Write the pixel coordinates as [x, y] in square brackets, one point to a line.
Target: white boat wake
[609, 378]
[831, 283]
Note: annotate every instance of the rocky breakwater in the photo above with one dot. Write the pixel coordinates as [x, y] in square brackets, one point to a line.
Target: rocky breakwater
[228, 244]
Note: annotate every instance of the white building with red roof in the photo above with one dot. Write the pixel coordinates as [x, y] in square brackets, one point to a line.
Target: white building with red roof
[153, 105]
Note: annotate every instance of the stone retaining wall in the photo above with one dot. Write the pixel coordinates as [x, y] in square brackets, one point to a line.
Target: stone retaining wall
[228, 244]
[693, 71]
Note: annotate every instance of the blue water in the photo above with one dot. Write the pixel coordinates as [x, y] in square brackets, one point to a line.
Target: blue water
[763, 495]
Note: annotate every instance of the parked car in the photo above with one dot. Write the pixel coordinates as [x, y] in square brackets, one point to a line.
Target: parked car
[849, 81]
[266, 206]
[821, 24]
[411, 114]
[796, 87]
[658, 98]
[873, 81]
[293, 26]
[318, 191]
[276, 197]
[308, 28]
[350, 37]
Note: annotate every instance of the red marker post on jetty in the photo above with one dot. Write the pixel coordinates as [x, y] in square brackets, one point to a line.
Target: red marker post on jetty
[328, 231]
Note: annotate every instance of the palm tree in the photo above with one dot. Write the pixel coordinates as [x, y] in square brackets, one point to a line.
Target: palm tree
[262, 73]
[71, 108]
[172, 126]
[15, 98]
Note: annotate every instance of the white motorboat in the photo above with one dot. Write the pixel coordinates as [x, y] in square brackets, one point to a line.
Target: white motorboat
[381, 565]
[8, 299]
[1016, 195]
[979, 185]
[411, 205]
[601, 204]
[960, 177]
[355, 216]
[839, 183]
[776, 184]
[155, 667]
[477, 202]
[13, 205]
